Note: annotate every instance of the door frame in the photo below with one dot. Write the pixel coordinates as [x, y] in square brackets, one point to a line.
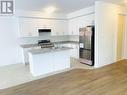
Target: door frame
[124, 54]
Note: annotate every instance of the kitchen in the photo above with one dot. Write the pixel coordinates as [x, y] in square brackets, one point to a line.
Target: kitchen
[67, 49]
[66, 29]
[59, 32]
[51, 47]
[22, 36]
[42, 55]
[40, 41]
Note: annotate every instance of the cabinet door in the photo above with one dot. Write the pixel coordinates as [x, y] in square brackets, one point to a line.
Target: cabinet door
[59, 27]
[61, 60]
[74, 27]
[75, 51]
[41, 64]
[27, 28]
[70, 28]
[25, 55]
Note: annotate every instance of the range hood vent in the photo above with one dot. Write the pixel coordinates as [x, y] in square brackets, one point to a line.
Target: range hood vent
[44, 30]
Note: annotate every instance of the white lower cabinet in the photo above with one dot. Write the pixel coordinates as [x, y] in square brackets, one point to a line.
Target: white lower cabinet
[41, 64]
[45, 63]
[74, 51]
[25, 55]
[61, 61]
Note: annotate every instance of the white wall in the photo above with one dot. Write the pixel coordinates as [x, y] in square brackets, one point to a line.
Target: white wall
[106, 16]
[9, 48]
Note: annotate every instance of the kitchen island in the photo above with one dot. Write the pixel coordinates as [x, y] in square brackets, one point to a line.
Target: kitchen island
[45, 61]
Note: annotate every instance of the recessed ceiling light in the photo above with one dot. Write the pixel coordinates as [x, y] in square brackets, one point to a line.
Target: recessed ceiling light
[50, 9]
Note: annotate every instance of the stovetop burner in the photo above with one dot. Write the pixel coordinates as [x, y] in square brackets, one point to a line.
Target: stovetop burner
[45, 43]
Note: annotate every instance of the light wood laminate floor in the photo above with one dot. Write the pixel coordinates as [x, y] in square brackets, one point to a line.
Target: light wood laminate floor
[109, 80]
[16, 74]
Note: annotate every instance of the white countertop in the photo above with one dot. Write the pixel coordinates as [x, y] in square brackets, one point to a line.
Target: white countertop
[47, 50]
[61, 42]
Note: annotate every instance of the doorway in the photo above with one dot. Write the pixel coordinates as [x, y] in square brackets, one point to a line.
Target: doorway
[121, 37]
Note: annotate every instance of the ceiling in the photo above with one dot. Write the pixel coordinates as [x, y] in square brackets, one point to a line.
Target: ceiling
[63, 6]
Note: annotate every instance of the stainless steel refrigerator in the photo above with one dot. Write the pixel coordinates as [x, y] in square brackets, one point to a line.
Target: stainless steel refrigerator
[86, 39]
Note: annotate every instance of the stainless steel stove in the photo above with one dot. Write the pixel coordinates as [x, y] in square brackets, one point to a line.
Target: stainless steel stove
[45, 43]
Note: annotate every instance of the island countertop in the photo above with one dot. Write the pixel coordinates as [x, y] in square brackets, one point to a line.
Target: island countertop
[60, 42]
[45, 61]
[48, 50]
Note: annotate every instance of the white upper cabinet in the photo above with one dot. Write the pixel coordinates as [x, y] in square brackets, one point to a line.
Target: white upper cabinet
[73, 28]
[59, 27]
[79, 22]
[29, 26]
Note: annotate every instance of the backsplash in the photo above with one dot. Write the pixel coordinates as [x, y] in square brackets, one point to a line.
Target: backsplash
[34, 40]
[74, 38]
